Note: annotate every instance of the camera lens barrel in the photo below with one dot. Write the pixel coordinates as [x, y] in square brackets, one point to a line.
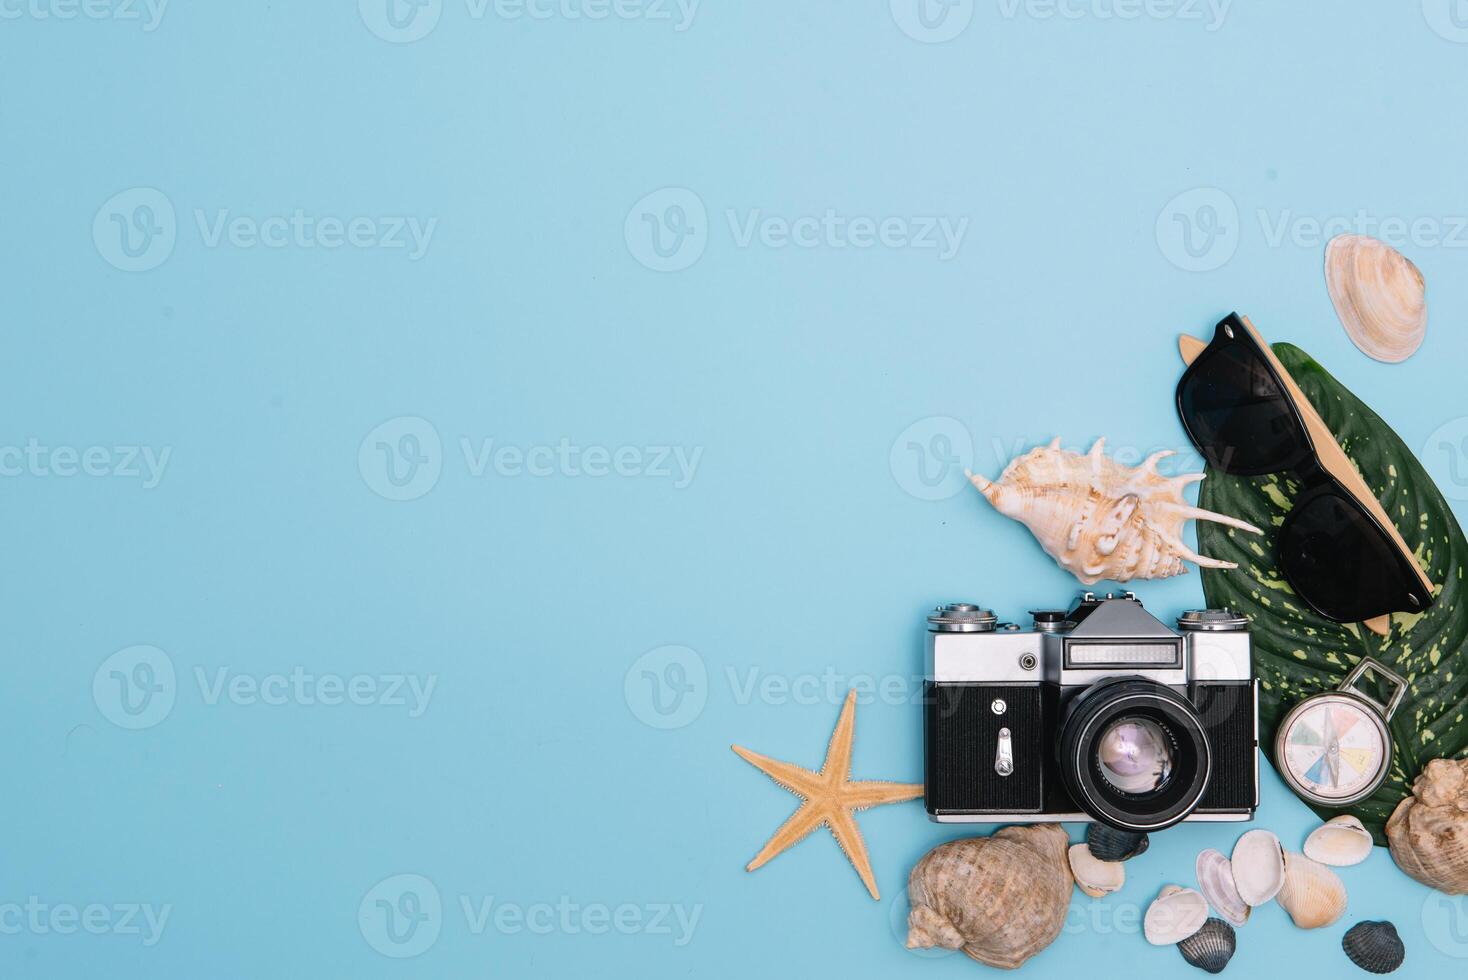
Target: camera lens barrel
[1172, 766]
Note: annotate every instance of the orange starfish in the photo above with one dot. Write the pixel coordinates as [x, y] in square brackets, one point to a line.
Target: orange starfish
[830, 797]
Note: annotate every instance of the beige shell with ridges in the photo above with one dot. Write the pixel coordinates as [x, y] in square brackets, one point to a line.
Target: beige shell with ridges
[1102, 520]
[1428, 831]
[1001, 899]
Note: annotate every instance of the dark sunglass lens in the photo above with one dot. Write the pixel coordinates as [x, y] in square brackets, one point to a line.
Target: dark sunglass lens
[1236, 413]
[1341, 563]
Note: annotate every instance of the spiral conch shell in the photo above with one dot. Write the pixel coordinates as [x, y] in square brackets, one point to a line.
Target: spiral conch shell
[1000, 899]
[1379, 296]
[1428, 831]
[1100, 519]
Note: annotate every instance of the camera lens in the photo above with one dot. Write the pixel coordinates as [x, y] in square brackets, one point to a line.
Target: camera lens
[1135, 755]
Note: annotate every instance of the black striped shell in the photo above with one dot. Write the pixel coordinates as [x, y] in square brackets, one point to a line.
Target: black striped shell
[1211, 947]
[1374, 946]
[1109, 844]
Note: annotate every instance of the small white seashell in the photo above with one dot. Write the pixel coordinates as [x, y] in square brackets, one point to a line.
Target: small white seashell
[1258, 866]
[1379, 296]
[1100, 519]
[1313, 895]
[1174, 915]
[1216, 882]
[1341, 842]
[1094, 876]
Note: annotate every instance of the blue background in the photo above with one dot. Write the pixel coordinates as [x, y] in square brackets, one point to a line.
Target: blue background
[803, 545]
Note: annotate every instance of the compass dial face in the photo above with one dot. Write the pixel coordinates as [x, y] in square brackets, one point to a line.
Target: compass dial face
[1335, 749]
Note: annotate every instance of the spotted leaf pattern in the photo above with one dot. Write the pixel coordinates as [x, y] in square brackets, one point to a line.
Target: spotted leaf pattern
[1298, 653]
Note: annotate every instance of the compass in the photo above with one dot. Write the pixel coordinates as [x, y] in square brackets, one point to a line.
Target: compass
[1334, 749]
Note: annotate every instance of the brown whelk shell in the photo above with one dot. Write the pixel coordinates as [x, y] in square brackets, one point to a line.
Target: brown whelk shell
[1001, 899]
[1428, 831]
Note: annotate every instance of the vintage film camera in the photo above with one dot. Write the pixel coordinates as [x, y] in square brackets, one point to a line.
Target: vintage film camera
[1101, 713]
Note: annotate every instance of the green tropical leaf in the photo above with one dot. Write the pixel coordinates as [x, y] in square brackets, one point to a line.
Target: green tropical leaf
[1298, 653]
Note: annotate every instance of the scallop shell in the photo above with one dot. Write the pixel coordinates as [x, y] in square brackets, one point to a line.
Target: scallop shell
[1258, 866]
[1428, 831]
[1109, 844]
[1374, 946]
[1379, 296]
[1216, 882]
[1174, 915]
[1211, 947]
[1094, 876]
[1313, 895]
[1100, 519]
[1340, 842]
[1000, 899]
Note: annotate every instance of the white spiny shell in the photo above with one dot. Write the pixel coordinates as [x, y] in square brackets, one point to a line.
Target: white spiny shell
[1216, 882]
[1259, 866]
[1341, 841]
[1095, 876]
[1175, 915]
[1313, 895]
[1379, 296]
[1100, 519]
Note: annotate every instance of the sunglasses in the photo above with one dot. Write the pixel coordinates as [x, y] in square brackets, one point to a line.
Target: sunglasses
[1337, 547]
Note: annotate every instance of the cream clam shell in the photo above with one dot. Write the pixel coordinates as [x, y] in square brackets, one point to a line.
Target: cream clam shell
[1340, 842]
[1379, 295]
[1313, 895]
[1174, 915]
[1094, 876]
[1259, 866]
